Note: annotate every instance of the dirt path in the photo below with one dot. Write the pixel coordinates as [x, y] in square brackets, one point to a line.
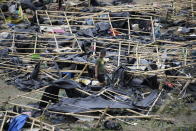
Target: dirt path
[7, 90]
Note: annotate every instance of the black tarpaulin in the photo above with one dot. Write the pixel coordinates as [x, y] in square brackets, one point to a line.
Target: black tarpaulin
[65, 84]
[146, 102]
[76, 105]
[52, 91]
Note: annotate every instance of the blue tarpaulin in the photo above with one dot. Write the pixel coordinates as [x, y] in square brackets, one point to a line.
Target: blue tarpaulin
[18, 122]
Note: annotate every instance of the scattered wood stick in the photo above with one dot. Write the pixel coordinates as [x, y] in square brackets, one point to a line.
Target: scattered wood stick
[154, 102]
[101, 117]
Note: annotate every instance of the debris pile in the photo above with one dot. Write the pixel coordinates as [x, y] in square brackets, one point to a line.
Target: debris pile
[51, 49]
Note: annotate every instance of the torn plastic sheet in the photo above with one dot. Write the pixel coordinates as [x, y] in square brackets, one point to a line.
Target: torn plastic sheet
[87, 32]
[16, 61]
[28, 85]
[52, 91]
[4, 53]
[76, 105]
[34, 74]
[33, 6]
[4, 35]
[27, 4]
[65, 84]
[118, 2]
[74, 57]
[191, 89]
[144, 64]
[112, 125]
[28, 81]
[18, 122]
[146, 102]
[101, 27]
[151, 82]
[119, 77]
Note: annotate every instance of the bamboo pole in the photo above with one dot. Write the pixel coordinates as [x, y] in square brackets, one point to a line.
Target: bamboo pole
[192, 8]
[111, 25]
[185, 86]
[83, 91]
[135, 112]
[119, 54]
[120, 119]
[94, 15]
[4, 119]
[3, 16]
[70, 30]
[131, 117]
[101, 117]
[82, 70]
[154, 102]
[185, 57]
[118, 93]
[59, 53]
[35, 45]
[36, 14]
[153, 31]
[137, 56]
[57, 45]
[129, 33]
[89, 3]
[13, 43]
[158, 59]
[78, 43]
[32, 125]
